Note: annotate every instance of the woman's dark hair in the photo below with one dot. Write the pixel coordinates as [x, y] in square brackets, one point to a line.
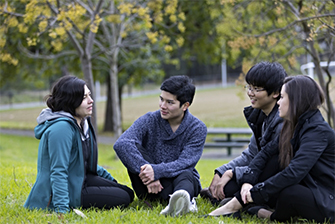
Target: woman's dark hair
[304, 94]
[66, 95]
[268, 75]
[180, 86]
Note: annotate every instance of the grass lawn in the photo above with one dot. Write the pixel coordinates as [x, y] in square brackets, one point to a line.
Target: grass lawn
[221, 107]
[18, 173]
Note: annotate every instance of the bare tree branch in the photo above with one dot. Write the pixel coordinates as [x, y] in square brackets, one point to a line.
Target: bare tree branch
[293, 9]
[54, 10]
[332, 29]
[90, 4]
[288, 26]
[91, 35]
[39, 56]
[105, 60]
[85, 6]
[11, 13]
[106, 32]
[76, 43]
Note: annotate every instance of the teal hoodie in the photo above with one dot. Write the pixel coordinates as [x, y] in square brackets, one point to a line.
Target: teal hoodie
[60, 163]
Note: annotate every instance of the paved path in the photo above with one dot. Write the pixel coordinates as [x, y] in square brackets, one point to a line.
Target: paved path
[207, 154]
[101, 139]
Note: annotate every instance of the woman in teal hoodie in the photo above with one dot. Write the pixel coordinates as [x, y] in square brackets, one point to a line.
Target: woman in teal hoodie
[68, 175]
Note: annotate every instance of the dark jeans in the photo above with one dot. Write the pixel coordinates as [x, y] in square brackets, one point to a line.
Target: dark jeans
[184, 180]
[102, 193]
[297, 201]
[233, 190]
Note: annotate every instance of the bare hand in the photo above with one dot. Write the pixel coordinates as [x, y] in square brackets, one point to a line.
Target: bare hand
[214, 185]
[147, 174]
[245, 193]
[155, 187]
[217, 185]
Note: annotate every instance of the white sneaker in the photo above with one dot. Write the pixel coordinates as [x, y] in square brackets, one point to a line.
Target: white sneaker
[193, 206]
[179, 204]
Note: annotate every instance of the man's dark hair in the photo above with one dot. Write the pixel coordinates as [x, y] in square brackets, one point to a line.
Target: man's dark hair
[180, 86]
[66, 95]
[268, 75]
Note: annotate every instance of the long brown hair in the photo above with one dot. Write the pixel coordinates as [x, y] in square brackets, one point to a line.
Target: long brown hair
[304, 94]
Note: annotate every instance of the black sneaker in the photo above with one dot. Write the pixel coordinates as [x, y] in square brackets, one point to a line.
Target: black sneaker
[206, 194]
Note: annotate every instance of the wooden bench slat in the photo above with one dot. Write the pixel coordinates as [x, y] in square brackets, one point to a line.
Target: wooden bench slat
[229, 142]
[225, 144]
[229, 131]
[245, 140]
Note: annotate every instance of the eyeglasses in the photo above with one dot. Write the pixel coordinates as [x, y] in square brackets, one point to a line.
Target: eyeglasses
[253, 89]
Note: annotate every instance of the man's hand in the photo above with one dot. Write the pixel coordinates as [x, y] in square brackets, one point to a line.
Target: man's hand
[147, 174]
[217, 185]
[245, 193]
[155, 187]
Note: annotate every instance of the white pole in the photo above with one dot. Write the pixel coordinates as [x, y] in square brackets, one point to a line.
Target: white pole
[97, 90]
[224, 73]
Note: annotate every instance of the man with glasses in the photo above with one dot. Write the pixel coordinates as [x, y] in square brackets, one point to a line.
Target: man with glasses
[264, 82]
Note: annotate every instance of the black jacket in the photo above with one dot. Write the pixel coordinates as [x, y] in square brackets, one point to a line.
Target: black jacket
[258, 141]
[313, 164]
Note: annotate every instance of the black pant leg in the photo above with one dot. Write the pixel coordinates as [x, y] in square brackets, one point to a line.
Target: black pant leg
[231, 188]
[102, 193]
[297, 201]
[140, 189]
[271, 168]
[185, 181]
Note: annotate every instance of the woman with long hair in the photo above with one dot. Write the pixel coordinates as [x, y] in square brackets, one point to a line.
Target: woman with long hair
[305, 186]
[68, 175]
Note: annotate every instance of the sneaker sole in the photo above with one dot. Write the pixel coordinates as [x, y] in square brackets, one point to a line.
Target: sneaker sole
[178, 204]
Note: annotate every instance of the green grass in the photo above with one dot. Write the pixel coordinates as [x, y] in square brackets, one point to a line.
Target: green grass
[18, 173]
[220, 107]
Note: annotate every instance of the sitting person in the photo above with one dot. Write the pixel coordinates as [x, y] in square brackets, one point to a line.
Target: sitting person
[264, 80]
[305, 186]
[161, 149]
[68, 175]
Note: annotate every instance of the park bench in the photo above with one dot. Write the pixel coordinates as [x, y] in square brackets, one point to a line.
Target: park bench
[230, 140]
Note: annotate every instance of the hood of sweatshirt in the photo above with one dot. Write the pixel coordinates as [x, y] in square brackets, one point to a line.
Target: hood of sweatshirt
[47, 118]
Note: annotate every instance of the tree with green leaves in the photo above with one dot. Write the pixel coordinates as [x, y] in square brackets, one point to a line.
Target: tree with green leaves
[97, 30]
[246, 32]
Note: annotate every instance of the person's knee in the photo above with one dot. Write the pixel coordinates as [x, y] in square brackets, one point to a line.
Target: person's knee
[289, 192]
[186, 177]
[187, 174]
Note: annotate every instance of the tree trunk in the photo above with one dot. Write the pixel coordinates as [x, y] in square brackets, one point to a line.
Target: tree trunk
[120, 101]
[325, 88]
[86, 66]
[108, 125]
[331, 115]
[117, 128]
[318, 70]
